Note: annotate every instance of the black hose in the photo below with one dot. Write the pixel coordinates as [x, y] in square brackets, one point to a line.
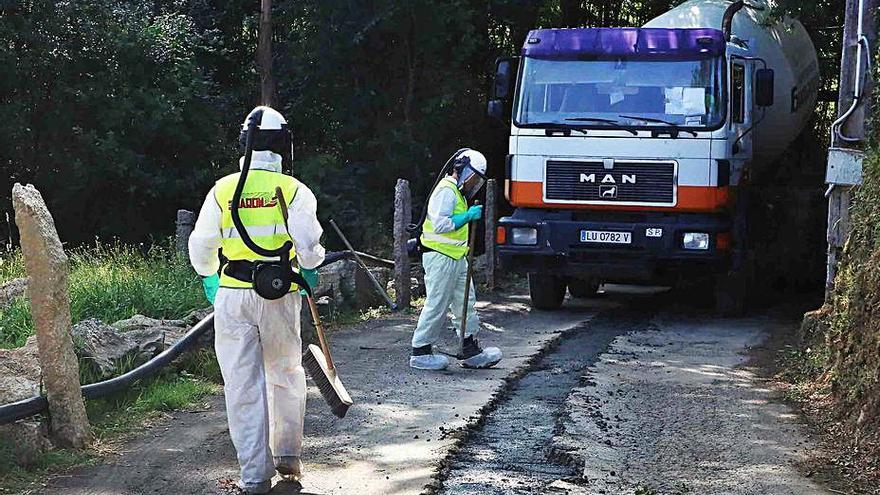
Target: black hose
[727, 19]
[415, 228]
[254, 120]
[35, 405]
[121, 382]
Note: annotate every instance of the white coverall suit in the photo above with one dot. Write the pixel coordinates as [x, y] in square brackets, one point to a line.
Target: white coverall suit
[444, 279]
[258, 341]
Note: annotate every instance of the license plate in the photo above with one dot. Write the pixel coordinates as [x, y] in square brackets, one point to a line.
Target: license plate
[602, 237]
[653, 232]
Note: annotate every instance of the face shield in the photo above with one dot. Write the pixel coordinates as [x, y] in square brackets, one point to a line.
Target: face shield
[470, 182]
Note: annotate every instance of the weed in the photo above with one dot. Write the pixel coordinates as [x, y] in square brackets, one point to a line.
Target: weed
[120, 413]
[14, 478]
[111, 418]
[11, 266]
[111, 282]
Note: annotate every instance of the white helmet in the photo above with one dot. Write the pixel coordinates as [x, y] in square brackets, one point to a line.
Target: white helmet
[470, 157]
[271, 121]
[471, 167]
[272, 134]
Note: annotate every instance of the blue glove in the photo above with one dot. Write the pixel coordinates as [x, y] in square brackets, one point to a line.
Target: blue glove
[211, 283]
[473, 213]
[311, 277]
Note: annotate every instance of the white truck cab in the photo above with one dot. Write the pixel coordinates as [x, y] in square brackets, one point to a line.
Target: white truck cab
[629, 146]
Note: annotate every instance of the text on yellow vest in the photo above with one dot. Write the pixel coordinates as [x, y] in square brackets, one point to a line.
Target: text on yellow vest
[260, 214]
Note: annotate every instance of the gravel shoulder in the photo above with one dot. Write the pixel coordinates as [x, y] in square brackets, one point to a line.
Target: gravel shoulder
[670, 408]
[393, 440]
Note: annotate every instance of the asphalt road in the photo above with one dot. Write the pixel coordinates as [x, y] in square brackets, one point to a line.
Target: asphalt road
[632, 391]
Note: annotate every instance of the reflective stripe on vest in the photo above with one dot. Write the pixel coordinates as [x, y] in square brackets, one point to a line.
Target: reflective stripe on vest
[260, 214]
[455, 243]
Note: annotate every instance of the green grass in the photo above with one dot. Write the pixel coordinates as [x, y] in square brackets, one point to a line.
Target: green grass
[111, 282]
[121, 413]
[11, 266]
[114, 417]
[16, 479]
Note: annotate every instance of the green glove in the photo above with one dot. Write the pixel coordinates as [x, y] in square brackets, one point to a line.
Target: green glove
[210, 284]
[460, 219]
[311, 277]
[473, 213]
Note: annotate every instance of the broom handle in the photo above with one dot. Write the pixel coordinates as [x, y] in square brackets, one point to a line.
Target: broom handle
[316, 318]
[325, 348]
[467, 286]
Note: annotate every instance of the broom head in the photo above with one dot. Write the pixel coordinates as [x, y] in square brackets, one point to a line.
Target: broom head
[327, 380]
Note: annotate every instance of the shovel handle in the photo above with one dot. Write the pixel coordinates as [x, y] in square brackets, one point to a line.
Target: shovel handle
[467, 287]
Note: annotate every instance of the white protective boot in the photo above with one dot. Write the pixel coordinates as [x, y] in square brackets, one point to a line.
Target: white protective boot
[423, 359]
[477, 357]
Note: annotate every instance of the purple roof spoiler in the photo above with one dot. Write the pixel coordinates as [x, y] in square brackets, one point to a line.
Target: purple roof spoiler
[624, 43]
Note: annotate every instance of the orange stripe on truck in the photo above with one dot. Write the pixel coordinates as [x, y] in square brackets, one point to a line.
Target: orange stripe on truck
[690, 198]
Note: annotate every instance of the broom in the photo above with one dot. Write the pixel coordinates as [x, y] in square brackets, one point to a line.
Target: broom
[317, 360]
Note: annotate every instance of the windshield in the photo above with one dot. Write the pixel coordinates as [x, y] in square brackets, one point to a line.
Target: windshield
[638, 93]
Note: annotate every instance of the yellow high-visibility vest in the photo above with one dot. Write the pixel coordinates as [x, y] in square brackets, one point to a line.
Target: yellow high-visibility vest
[260, 214]
[455, 243]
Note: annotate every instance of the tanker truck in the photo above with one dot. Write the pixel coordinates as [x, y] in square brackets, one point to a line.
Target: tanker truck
[631, 149]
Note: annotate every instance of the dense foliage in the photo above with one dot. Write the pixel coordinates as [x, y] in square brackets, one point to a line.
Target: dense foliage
[122, 112]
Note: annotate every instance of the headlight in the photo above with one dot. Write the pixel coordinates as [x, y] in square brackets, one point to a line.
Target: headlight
[524, 236]
[695, 240]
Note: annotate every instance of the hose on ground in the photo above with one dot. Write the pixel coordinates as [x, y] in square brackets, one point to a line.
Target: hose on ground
[36, 405]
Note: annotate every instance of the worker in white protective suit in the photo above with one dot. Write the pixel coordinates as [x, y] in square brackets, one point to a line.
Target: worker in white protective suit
[257, 340]
[444, 242]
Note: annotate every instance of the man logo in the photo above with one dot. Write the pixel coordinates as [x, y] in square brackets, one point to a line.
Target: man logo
[608, 192]
[609, 179]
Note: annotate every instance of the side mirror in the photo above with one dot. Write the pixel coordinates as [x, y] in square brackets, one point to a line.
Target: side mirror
[764, 87]
[496, 109]
[505, 72]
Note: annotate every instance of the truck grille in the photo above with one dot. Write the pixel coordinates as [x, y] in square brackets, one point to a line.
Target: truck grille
[628, 182]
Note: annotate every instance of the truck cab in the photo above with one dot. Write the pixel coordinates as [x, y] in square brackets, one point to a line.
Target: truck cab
[628, 150]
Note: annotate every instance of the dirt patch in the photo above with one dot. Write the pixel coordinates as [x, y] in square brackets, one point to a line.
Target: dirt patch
[848, 458]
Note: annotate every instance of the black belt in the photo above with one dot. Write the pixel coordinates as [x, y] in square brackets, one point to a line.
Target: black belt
[241, 270]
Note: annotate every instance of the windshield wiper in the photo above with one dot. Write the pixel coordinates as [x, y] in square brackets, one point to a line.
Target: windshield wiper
[591, 119]
[610, 123]
[556, 126]
[659, 121]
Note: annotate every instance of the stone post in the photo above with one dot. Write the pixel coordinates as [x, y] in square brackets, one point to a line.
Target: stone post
[186, 221]
[491, 215]
[47, 270]
[402, 219]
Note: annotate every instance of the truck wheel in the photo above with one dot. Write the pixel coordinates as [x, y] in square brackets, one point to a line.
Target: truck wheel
[546, 291]
[583, 288]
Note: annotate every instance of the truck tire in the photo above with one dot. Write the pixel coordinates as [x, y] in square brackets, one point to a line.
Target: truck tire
[583, 288]
[546, 291]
